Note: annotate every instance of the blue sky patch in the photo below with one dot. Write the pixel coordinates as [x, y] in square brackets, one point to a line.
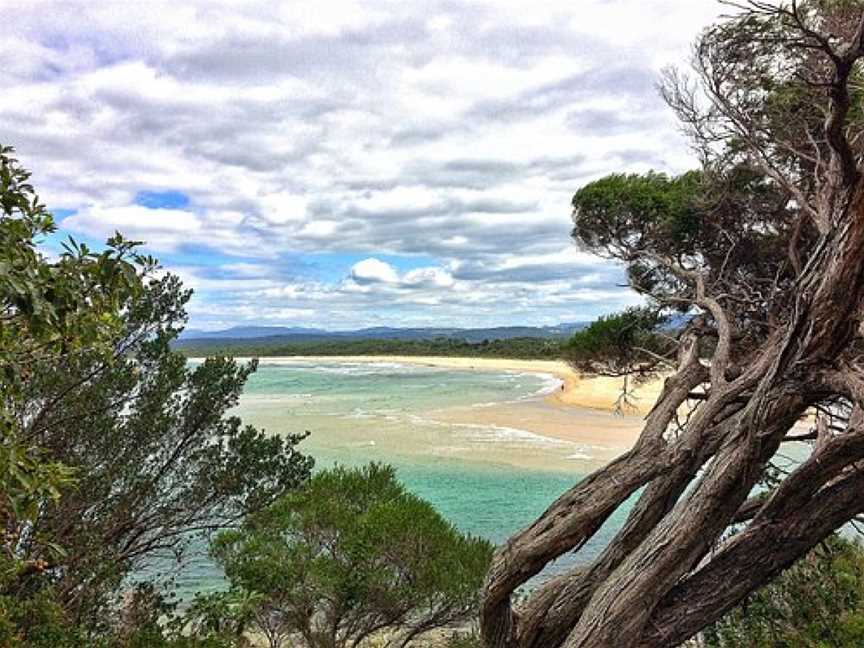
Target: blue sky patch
[162, 199]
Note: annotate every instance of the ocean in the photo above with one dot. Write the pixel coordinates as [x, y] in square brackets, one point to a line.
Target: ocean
[488, 480]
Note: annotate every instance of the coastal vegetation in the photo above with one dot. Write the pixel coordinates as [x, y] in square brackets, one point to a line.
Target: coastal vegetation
[117, 454]
[817, 602]
[352, 556]
[526, 348]
[764, 246]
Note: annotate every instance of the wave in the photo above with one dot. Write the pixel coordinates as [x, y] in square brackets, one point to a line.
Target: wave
[252, 398]
[367, 369]
[342, 367]
[489, 404]
[500, 433]
[385, 414]
[485, 433]
[551, 383]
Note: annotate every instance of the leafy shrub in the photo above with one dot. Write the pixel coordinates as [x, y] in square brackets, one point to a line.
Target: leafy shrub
[353, 555]
[817, 603]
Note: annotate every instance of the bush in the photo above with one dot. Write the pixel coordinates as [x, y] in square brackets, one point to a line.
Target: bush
[817, 603]
[353, 555]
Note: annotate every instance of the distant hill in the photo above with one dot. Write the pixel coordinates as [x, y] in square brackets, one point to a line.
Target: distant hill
[250, 332]
[289, 335]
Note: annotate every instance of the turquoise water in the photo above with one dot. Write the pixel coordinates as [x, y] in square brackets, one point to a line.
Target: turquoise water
[358, 388]
[487, 480]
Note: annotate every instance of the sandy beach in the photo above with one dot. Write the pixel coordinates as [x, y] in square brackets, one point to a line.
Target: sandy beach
[580, 410]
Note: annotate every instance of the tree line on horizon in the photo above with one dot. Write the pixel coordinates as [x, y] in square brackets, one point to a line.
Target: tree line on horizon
[527, 348]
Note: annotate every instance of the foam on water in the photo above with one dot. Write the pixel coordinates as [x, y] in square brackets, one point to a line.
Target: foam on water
[489, 404]
[359, 413]
[343, 368]
[499, 433]
[550, 384]
[274, 398]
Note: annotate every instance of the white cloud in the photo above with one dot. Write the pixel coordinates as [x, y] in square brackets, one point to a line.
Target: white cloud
[163, 229]
[372, 270]
[453, 131]
[437, 277]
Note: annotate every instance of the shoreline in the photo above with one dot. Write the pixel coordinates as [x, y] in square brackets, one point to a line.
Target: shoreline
[578, 410]
[593, 393]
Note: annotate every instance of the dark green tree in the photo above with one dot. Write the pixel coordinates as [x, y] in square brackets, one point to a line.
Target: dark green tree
[629, 345]
[350, 556]
[114, 451]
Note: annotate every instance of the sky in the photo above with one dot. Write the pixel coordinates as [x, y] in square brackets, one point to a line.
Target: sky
[347, 164]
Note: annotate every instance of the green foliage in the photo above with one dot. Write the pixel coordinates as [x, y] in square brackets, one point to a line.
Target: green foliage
[113, 451]
[628, 213]
[350, 555]
[471, 639]
[157, 453]
[143, 620]
[221, 614]
[521, 347]
[818, 603]
[757, 61]
[725, 221]
[733, 225]
[622, 344]
[69, 303]
[50, 310]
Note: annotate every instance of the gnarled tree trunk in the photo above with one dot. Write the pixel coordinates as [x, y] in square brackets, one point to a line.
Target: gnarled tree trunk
[673, 568]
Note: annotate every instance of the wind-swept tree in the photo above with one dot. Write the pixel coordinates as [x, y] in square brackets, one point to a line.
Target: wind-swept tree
[114, 451]
[764, 249]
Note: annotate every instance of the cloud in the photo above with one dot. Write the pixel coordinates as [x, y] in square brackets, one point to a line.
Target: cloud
[442, 139]
[164, 229]
[617, 82]
[433, 277]
[372, 271]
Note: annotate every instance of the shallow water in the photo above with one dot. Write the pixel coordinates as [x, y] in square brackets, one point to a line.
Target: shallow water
[403, 413]
[489, 480]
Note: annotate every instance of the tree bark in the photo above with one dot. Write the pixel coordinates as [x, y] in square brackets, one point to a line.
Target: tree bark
[669, 572]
